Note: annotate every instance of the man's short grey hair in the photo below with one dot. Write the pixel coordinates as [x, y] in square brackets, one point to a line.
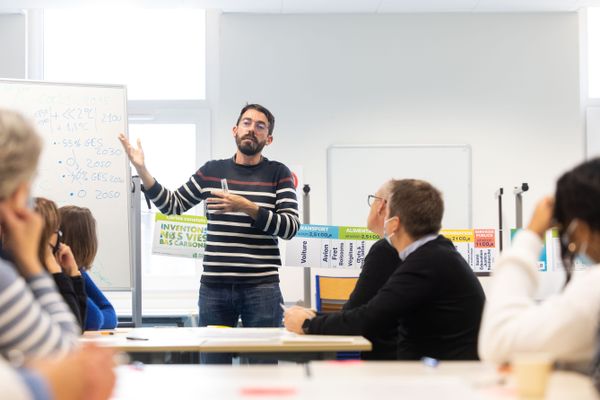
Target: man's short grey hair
[418, 204]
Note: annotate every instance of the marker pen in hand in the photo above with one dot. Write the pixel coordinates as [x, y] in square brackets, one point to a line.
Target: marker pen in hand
[224, 186]
[311, 314]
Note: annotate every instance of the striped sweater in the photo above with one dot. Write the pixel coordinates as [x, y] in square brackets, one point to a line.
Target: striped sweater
[239, 249]
[34, 320]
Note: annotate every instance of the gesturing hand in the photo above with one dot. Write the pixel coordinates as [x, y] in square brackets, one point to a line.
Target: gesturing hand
[227, 202]
[542, 216]
[67, 261]
[22, 229]
[136, 155]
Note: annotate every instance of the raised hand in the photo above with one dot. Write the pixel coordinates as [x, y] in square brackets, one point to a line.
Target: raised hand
[22, 230]
[136, 156]
[50, 262]
[542, 216]
[67, 261]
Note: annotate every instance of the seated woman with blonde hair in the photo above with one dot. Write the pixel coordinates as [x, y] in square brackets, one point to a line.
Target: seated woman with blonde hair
[78, 227]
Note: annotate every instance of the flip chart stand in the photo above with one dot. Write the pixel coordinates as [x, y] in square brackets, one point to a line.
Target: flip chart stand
[499, 194]
[136, 223]
[306, 220]
[518, 192]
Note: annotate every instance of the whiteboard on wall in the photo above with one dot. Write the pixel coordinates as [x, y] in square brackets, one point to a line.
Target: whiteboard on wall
[82, 161]
[355, 171]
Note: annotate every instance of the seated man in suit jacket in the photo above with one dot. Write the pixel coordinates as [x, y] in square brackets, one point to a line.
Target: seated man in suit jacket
[433, 295]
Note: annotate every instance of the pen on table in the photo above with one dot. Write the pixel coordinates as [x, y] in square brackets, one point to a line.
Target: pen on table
[307, 370]
[136, 338]
[106, 333]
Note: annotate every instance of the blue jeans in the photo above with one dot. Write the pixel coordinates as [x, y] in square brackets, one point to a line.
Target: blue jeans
[223, 304]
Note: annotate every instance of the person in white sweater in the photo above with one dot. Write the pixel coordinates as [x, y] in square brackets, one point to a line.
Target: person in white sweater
[566, 324]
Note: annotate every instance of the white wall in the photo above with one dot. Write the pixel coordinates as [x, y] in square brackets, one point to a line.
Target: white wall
[12, 46]
[507, 84]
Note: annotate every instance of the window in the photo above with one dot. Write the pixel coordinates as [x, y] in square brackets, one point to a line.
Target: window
[593, 51]
[158, 53]
[169, 150]
[172, 155]
[172, 162]
[592, 103]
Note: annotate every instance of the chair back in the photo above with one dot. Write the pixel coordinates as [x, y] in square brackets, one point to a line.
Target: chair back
[333, 291]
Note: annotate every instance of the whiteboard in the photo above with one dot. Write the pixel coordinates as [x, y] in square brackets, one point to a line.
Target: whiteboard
[82, 161]
[354, 172]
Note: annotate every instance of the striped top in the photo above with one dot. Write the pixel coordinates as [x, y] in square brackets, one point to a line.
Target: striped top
[239, 249]
[34, 319]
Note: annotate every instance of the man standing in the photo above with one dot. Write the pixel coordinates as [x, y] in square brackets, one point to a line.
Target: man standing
[245, 217]
[433, 295]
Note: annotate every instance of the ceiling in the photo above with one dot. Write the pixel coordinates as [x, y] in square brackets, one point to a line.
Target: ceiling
[325, 6]
[402, 6]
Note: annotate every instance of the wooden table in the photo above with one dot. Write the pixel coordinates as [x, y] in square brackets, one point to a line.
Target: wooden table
[231, 340]
[335, 380]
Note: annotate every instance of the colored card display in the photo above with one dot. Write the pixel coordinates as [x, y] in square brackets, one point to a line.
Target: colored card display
[328, 246]
[180, 235]
[477, 246]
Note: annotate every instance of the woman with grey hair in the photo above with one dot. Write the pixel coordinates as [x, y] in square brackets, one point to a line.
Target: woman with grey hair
[35, 321]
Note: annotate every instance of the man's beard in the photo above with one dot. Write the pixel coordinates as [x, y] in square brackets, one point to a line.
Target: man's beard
[250, 148]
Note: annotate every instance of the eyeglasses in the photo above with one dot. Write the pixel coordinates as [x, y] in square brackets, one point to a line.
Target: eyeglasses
[56, 246]
[260, 126]
[371, 198]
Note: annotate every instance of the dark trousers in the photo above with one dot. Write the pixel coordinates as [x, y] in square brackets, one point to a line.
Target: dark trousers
[224, 304]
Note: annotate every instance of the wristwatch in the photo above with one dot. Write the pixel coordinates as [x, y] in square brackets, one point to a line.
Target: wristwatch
[306, 326]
